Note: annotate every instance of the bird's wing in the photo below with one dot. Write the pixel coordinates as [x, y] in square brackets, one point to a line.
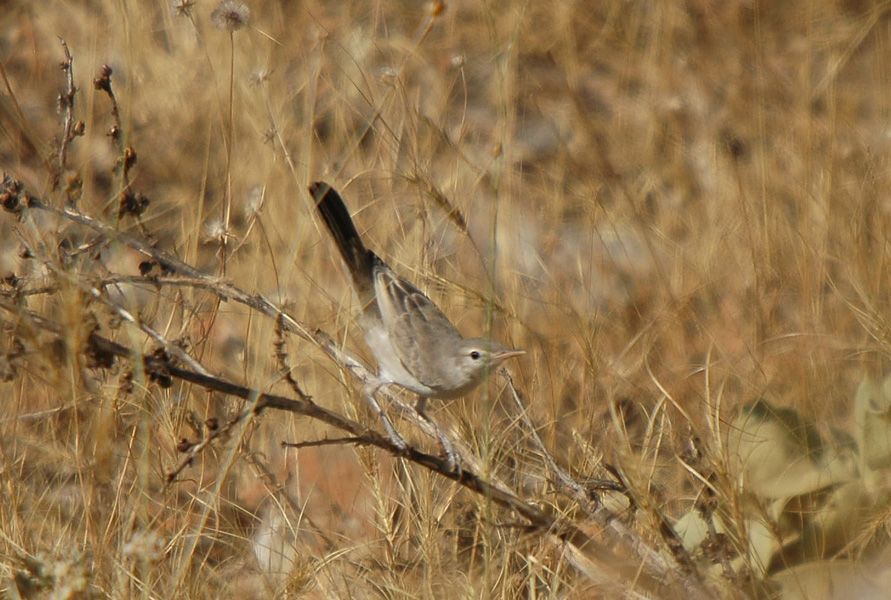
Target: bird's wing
[419, 332]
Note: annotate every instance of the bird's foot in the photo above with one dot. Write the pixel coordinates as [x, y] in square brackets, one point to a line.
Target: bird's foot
[392, 435]
[453, 459]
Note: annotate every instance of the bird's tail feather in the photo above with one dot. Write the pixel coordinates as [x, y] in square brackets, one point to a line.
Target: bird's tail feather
[359, 259]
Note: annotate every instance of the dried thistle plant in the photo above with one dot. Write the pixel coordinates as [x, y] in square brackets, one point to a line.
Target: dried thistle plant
[230, 15]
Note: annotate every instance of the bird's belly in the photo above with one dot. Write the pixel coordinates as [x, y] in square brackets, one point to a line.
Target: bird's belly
[390, 368]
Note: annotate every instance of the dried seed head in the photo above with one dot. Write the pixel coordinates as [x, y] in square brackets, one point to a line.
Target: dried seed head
[133, 204]
[183, 8]
[214, 231]
[129, 157]
[74, 185]
[230, 15]
[260, 76]
[254, 200]
[102, 81]
[12, 194]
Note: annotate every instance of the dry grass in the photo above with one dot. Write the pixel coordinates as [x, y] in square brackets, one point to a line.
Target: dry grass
[676, 208]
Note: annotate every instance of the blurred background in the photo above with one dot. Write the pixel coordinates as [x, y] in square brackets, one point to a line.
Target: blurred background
[676, 208]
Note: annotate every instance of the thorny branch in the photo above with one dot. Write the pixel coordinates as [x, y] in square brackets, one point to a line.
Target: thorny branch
[103, 83]
[70, 129]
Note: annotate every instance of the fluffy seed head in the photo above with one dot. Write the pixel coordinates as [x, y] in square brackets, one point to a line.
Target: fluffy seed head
[230, 15]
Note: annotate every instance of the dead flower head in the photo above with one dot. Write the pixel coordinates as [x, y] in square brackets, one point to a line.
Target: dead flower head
[230, 15]
[183, 8]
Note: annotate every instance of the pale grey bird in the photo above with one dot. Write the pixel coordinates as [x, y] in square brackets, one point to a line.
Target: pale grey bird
[415, 345]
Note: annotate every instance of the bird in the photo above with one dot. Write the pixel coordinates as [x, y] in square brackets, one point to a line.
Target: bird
[415, 345]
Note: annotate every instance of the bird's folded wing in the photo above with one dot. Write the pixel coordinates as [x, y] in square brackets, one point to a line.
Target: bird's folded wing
[420, 333]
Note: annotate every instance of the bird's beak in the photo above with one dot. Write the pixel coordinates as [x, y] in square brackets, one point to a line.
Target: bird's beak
[505, 354]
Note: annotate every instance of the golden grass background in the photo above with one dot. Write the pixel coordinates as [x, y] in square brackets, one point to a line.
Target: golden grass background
[662, 200]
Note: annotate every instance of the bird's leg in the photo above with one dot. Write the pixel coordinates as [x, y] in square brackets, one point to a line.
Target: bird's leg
[452, 457]
[369, 391]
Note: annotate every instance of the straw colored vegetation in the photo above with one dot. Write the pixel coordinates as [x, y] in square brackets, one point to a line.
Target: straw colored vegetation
[680, 210]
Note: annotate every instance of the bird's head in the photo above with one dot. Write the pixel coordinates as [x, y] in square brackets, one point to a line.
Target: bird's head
[476, 358]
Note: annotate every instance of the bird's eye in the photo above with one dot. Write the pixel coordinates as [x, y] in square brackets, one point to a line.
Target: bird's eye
[474, 355]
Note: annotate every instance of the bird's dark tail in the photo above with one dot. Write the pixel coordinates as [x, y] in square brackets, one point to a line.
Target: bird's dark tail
[359, 259]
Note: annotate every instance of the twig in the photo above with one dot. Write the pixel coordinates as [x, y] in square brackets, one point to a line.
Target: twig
[169, 347]
[66, 105]
[39, 415]
[103, 83]
[129, 202]
[691, 577]
[281, 355]
[192, 450]
[564, 480]
[368, 392]
[277, 490]
[340, 441]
